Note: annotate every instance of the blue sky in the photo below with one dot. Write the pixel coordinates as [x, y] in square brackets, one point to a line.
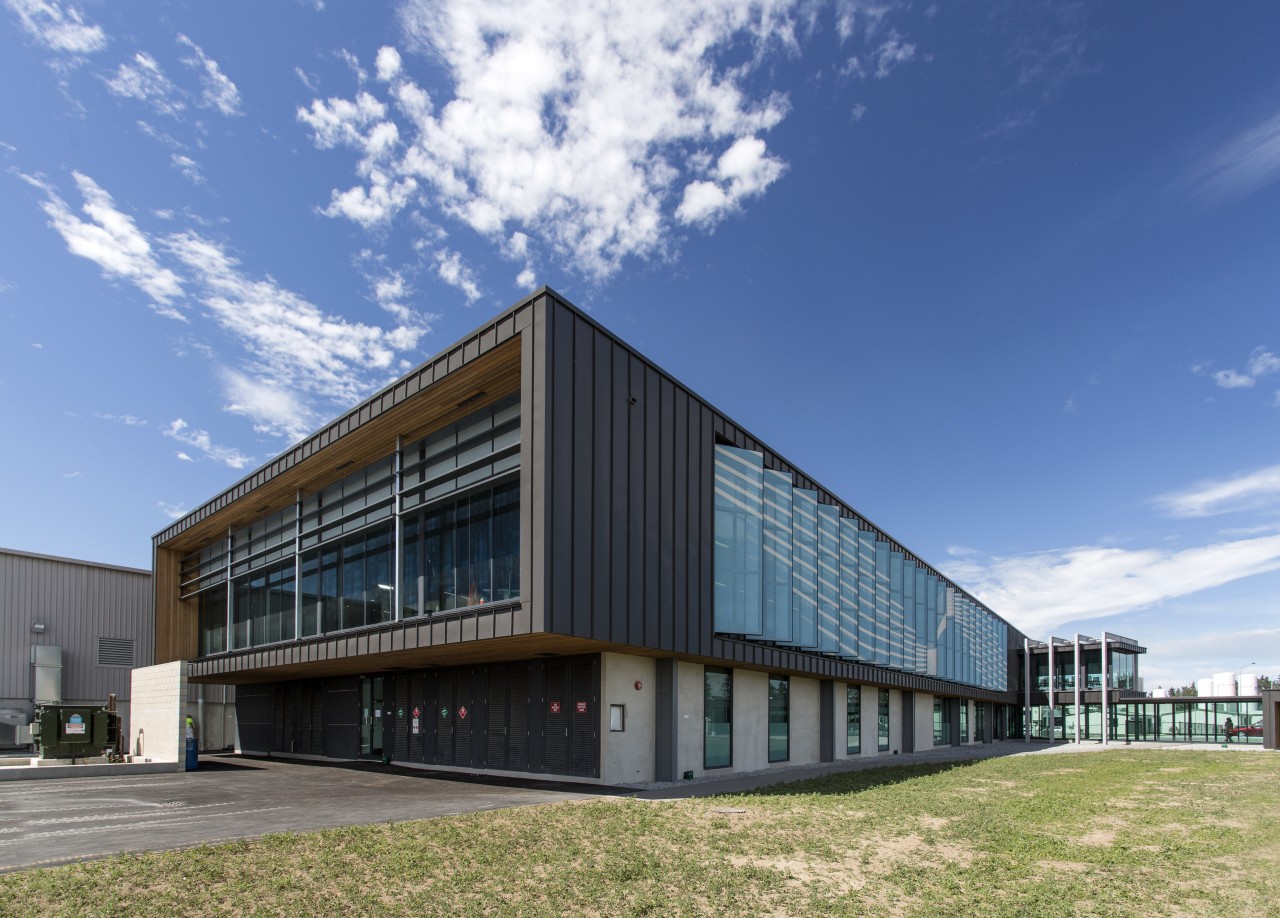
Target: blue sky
[1004, 276]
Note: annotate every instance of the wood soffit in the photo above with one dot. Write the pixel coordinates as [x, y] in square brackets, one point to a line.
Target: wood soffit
[481, 382]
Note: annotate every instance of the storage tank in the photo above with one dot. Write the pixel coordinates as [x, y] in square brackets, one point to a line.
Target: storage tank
[1247, 684]
[1224, 685]
[1204, 688]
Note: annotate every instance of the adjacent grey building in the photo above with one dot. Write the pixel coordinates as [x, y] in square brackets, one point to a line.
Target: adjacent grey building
[69, 631]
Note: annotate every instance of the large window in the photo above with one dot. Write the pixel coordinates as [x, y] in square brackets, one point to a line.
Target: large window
[964, 721]
[262, 608]
[462, 553]
[979, 723]
[717, 704]
[347, 584]
[882, 721]
[853, 730]
[941, 723]
[213, 620]
[779, 718]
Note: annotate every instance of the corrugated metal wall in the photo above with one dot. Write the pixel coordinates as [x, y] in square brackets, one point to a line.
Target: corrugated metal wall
[78, 603]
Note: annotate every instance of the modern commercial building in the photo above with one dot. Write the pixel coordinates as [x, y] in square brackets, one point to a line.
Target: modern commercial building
[70, 631]
[539, 552]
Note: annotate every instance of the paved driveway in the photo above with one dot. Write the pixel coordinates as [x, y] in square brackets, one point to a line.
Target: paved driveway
[54, 822]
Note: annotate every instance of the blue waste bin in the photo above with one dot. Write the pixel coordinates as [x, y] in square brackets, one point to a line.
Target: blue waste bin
[193, 754]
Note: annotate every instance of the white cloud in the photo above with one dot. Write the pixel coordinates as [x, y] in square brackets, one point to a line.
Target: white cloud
[173, 511]
[181, 431]
[354, 63]
[189, 168]
[308, 80]
[296, 346]
[454, 272]
[388, 64]
[891, 53]
[1230, 379]
[1249, 491]
[744, 171]
[183, 456]
[571, 123]
[296, 353]
[218, 92]
[112, 240]
[1247, 162]
[858, 111]
[71, 475]
[59, 26]
[526, 279]
[128, 420]
[1263, 363]
[273, 410]
[144, 80]
[375, 205]
[1040, 591]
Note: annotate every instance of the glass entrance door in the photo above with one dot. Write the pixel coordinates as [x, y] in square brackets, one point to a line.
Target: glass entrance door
[371, 715]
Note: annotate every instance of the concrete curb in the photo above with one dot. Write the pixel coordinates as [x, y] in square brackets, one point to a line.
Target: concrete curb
[38, 772]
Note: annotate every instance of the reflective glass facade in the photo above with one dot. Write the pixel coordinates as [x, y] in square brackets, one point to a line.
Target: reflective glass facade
[792, 569]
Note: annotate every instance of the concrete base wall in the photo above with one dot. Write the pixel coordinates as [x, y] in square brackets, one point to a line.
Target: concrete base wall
[156, 722]
[806, 711]
[924, 722]
[628, 756]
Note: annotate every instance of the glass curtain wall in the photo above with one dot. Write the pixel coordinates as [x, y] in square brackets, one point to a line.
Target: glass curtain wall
[327, 563]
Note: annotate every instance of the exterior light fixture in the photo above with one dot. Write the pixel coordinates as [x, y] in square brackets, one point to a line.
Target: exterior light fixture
[38, 627]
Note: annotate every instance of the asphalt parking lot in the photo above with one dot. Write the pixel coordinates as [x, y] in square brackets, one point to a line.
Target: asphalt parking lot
[44, 823]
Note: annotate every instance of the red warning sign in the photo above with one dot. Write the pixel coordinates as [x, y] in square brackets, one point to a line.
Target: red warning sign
[416, 713]
[555, 707]
[582, 707]
[462, 712]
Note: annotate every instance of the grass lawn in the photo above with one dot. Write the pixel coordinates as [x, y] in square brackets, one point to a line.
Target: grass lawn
[1114, 833]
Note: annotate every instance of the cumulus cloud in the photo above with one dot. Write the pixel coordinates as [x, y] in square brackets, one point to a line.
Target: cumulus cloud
[173, 511]
[744, 171]
[456, 273]
[1261, 362]
[59, 26]
[1230, 379]
[574, 123]
[217, 90]
[181, 431]
[144, 80]
[1043, 590]
[388, 64]
[1250, 491]
[112, 240]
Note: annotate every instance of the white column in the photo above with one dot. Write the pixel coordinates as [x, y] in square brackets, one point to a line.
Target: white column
[1075, 667]
[1026, 682]
[1105, 677]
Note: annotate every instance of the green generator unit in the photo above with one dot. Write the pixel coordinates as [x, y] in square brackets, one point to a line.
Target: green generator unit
[75, 731]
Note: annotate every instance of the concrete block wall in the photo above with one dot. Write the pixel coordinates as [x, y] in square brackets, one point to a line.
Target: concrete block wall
[157, 712]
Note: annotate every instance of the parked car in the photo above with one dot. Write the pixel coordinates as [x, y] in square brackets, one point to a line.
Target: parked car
[1253, 729]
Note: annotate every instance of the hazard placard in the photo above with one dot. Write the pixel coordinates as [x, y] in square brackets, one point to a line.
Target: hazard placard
[416, 713]
[444, 712]
[462, 712]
